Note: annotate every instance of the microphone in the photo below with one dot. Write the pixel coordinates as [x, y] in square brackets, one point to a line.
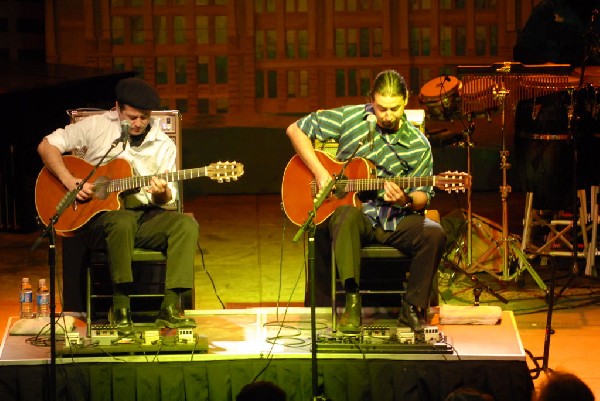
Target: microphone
[372, 121]
[125, 124]
[447, 78]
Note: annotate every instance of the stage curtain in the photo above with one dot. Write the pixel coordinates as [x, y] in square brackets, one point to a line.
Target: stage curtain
[215, 380]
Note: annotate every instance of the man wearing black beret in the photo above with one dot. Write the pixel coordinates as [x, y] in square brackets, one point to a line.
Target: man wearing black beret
[142, 221]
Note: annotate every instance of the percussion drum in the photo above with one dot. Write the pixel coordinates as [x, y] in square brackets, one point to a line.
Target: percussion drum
[543, 149]
[478, 97]
[587, 136]
[441, 97]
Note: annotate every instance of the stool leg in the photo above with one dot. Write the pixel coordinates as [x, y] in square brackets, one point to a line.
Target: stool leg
[88, 300]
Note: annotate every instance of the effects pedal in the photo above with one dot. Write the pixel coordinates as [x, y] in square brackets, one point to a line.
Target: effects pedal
[104, 334]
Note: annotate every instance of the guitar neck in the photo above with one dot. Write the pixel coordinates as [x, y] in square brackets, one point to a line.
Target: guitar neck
[370, 184]
[123, 184]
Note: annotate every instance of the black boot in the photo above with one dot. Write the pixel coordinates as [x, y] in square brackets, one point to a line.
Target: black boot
[411, 317]
[351, 320]
[173, 317]
[121, 319]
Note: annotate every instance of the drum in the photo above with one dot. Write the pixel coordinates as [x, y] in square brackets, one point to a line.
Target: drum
[478, 97]
[441, 97]
[587, 136]
[543, 149]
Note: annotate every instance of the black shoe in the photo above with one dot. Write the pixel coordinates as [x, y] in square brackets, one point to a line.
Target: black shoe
[121, 319]
[173, 317]
[411, 317]
[351, 320]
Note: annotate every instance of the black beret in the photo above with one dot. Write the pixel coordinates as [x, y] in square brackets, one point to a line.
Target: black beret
[137, 93]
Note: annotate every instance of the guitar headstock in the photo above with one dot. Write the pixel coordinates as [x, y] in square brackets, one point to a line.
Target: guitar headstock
[225, 171]
[453, 181]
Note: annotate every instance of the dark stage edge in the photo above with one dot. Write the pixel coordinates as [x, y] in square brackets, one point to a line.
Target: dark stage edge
[490, 358]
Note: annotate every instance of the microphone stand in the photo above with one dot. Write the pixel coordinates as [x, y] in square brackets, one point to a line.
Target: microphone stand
[49, 232]
[310, 227]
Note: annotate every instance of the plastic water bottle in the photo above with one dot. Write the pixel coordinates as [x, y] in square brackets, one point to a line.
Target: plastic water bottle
[42, 297]
[26, 298]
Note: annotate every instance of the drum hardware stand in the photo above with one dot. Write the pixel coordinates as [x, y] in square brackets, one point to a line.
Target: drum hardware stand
[507, 242]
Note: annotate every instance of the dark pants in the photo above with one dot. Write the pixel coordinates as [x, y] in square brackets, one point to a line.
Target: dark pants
[119, 231]
[349, 229]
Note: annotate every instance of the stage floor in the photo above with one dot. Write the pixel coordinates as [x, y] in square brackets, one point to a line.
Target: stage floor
[256, 332]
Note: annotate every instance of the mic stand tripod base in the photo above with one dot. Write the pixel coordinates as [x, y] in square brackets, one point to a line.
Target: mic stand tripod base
[479, 287]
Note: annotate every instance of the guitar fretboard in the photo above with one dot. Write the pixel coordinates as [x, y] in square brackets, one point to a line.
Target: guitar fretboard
[123, 184]
[369, 184]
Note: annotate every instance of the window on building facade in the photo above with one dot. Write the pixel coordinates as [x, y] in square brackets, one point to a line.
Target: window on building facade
[137, 29]
[259, 85]
[202, 106]
[259, 6]
[162, 70]
[181, 105]
[480, 40]
[295, 6]
[420, 4]
[259, 45]
[290, 44]
[222, 105]
[485, 4]
[340, 43]
[414, 80]
[493, 40]
[340, 83]
[179, 29]
[460, 43]
[352, 82]
[271, 44]
[221, 69]
[296, 44]
[117, 29]
[420, 41]
[272, 84]
[220, 29]
[452, 4]
[201, 29]
[160, 30]
[377, 42]
[139, 66]
[365, 42]
[119, 63]
[303, 83]
[180, 70]
[366, 77]
[292, 84]
[445, 40]
[297, 83]
[303, 44]
[202, 70]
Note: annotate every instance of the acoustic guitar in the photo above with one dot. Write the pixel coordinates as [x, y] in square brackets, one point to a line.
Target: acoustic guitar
[299, 189]
[109, 181]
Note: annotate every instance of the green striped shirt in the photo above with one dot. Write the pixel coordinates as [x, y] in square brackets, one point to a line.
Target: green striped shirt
[404, 153]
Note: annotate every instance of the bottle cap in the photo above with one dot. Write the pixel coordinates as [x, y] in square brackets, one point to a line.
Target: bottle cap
[25, 280]
[42, 282]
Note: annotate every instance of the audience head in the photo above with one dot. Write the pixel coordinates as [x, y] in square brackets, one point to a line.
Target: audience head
[564, 386]
[261, 391]
[468, 394]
